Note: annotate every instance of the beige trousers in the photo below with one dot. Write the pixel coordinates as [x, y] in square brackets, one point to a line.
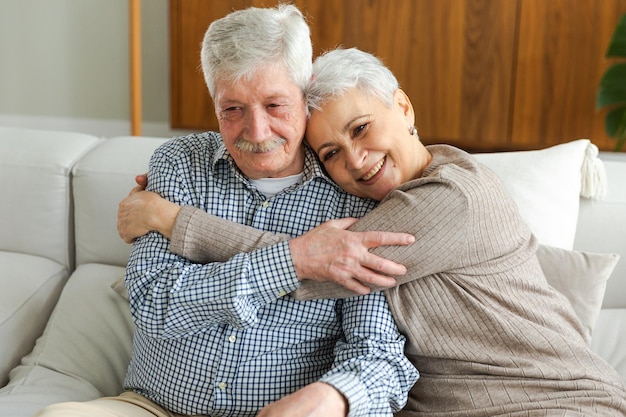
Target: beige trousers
[127, 404]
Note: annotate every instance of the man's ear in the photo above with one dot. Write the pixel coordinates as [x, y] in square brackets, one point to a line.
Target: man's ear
[403, 103]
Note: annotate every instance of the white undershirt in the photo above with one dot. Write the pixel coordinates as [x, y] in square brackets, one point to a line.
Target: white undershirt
[272, 186]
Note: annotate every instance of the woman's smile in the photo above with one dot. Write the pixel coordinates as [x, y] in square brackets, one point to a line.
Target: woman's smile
[373, 174]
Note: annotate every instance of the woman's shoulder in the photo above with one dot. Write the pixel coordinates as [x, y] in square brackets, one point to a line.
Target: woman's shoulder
[450, 163]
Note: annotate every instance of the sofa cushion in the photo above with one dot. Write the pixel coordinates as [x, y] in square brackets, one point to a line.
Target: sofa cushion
[609, 338]
[84, 350]
[602, 226]
[101, 179]
[30, 288]
[581, 277]
[546, 185]
[35, 168]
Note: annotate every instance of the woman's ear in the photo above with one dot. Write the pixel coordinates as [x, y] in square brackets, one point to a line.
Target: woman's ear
[402, 102]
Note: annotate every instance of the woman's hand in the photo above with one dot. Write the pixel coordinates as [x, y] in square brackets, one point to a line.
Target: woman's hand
[144, 211]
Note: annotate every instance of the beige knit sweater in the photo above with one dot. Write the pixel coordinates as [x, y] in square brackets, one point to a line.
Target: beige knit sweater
[488, 334]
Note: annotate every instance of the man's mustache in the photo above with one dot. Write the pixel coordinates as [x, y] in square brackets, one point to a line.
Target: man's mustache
[262, 147]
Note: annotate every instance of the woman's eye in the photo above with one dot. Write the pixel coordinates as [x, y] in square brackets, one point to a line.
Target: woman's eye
[357, 130]
[328, 155]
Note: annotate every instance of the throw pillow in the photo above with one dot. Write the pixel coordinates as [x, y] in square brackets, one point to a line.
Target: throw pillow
[546, 185]
[581, 277]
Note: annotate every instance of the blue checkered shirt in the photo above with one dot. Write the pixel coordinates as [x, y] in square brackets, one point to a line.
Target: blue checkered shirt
[224, 339]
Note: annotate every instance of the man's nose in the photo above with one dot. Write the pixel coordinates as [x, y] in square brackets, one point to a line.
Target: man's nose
[258, 125]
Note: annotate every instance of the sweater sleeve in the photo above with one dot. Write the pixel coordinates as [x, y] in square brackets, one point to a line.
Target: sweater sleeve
[202, 237]
[435, 213]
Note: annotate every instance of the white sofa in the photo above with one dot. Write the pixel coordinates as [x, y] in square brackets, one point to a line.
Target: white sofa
[58, 241]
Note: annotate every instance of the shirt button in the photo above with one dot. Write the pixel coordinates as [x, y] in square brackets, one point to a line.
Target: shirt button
[221, 385]
[232, 338]
[266, 204]
[282, 294]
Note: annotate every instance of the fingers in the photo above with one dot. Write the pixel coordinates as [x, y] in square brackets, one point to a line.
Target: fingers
[343, 223]
[329, 252]
[142, 180]
[378, 238]
[366, 281]
[355, 286]
[136, 189]
[382, 266]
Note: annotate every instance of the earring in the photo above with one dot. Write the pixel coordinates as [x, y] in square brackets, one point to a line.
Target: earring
[413, 130]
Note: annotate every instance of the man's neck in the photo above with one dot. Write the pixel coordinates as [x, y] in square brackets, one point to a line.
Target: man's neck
[272, 186]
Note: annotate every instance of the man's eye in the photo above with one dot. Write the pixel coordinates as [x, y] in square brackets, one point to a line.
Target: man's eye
[276, 108]
[230, 113]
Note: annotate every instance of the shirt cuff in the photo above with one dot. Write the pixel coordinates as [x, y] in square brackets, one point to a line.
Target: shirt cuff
[351, 387]
[273, 271]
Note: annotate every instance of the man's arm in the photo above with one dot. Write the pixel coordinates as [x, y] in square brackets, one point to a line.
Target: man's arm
[326, 253]
[370, 374]
[432, 252]
[170, 296]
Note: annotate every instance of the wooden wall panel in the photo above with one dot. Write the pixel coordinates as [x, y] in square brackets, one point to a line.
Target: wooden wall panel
[482, 74]
[190, 103]
[453, 57]
[561, 48]
[470, 55]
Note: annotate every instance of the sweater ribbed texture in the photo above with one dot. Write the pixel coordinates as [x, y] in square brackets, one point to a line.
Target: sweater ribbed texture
[488, 334]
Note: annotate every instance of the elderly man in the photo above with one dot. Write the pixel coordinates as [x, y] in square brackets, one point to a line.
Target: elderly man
[223, 338]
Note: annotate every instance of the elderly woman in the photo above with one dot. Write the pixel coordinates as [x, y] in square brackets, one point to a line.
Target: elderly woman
[487, 332]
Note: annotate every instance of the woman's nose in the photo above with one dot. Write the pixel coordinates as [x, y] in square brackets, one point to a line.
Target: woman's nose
[356, 157]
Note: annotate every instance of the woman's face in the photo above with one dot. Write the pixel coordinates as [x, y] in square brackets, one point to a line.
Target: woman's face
[364, 145]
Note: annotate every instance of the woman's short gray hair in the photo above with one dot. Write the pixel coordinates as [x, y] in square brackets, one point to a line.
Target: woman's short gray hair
[245, 41]
[340, 70]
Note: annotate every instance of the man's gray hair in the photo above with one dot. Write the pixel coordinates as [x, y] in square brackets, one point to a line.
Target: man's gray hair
[340, 70]
[245, 41]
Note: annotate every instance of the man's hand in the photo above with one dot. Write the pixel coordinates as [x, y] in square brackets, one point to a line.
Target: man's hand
[329, 252]
[143, 211]
[315, 400]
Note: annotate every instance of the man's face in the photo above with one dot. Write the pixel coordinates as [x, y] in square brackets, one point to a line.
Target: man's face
[262, 119]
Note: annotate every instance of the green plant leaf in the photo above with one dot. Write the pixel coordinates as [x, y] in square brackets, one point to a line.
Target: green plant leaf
[617, 47]
[614, 120]
[612, 88]
[621, 132]
[620, 143]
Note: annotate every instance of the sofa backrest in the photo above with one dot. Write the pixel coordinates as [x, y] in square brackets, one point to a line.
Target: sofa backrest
[602, 226]
[35, 191]
[102, 178]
